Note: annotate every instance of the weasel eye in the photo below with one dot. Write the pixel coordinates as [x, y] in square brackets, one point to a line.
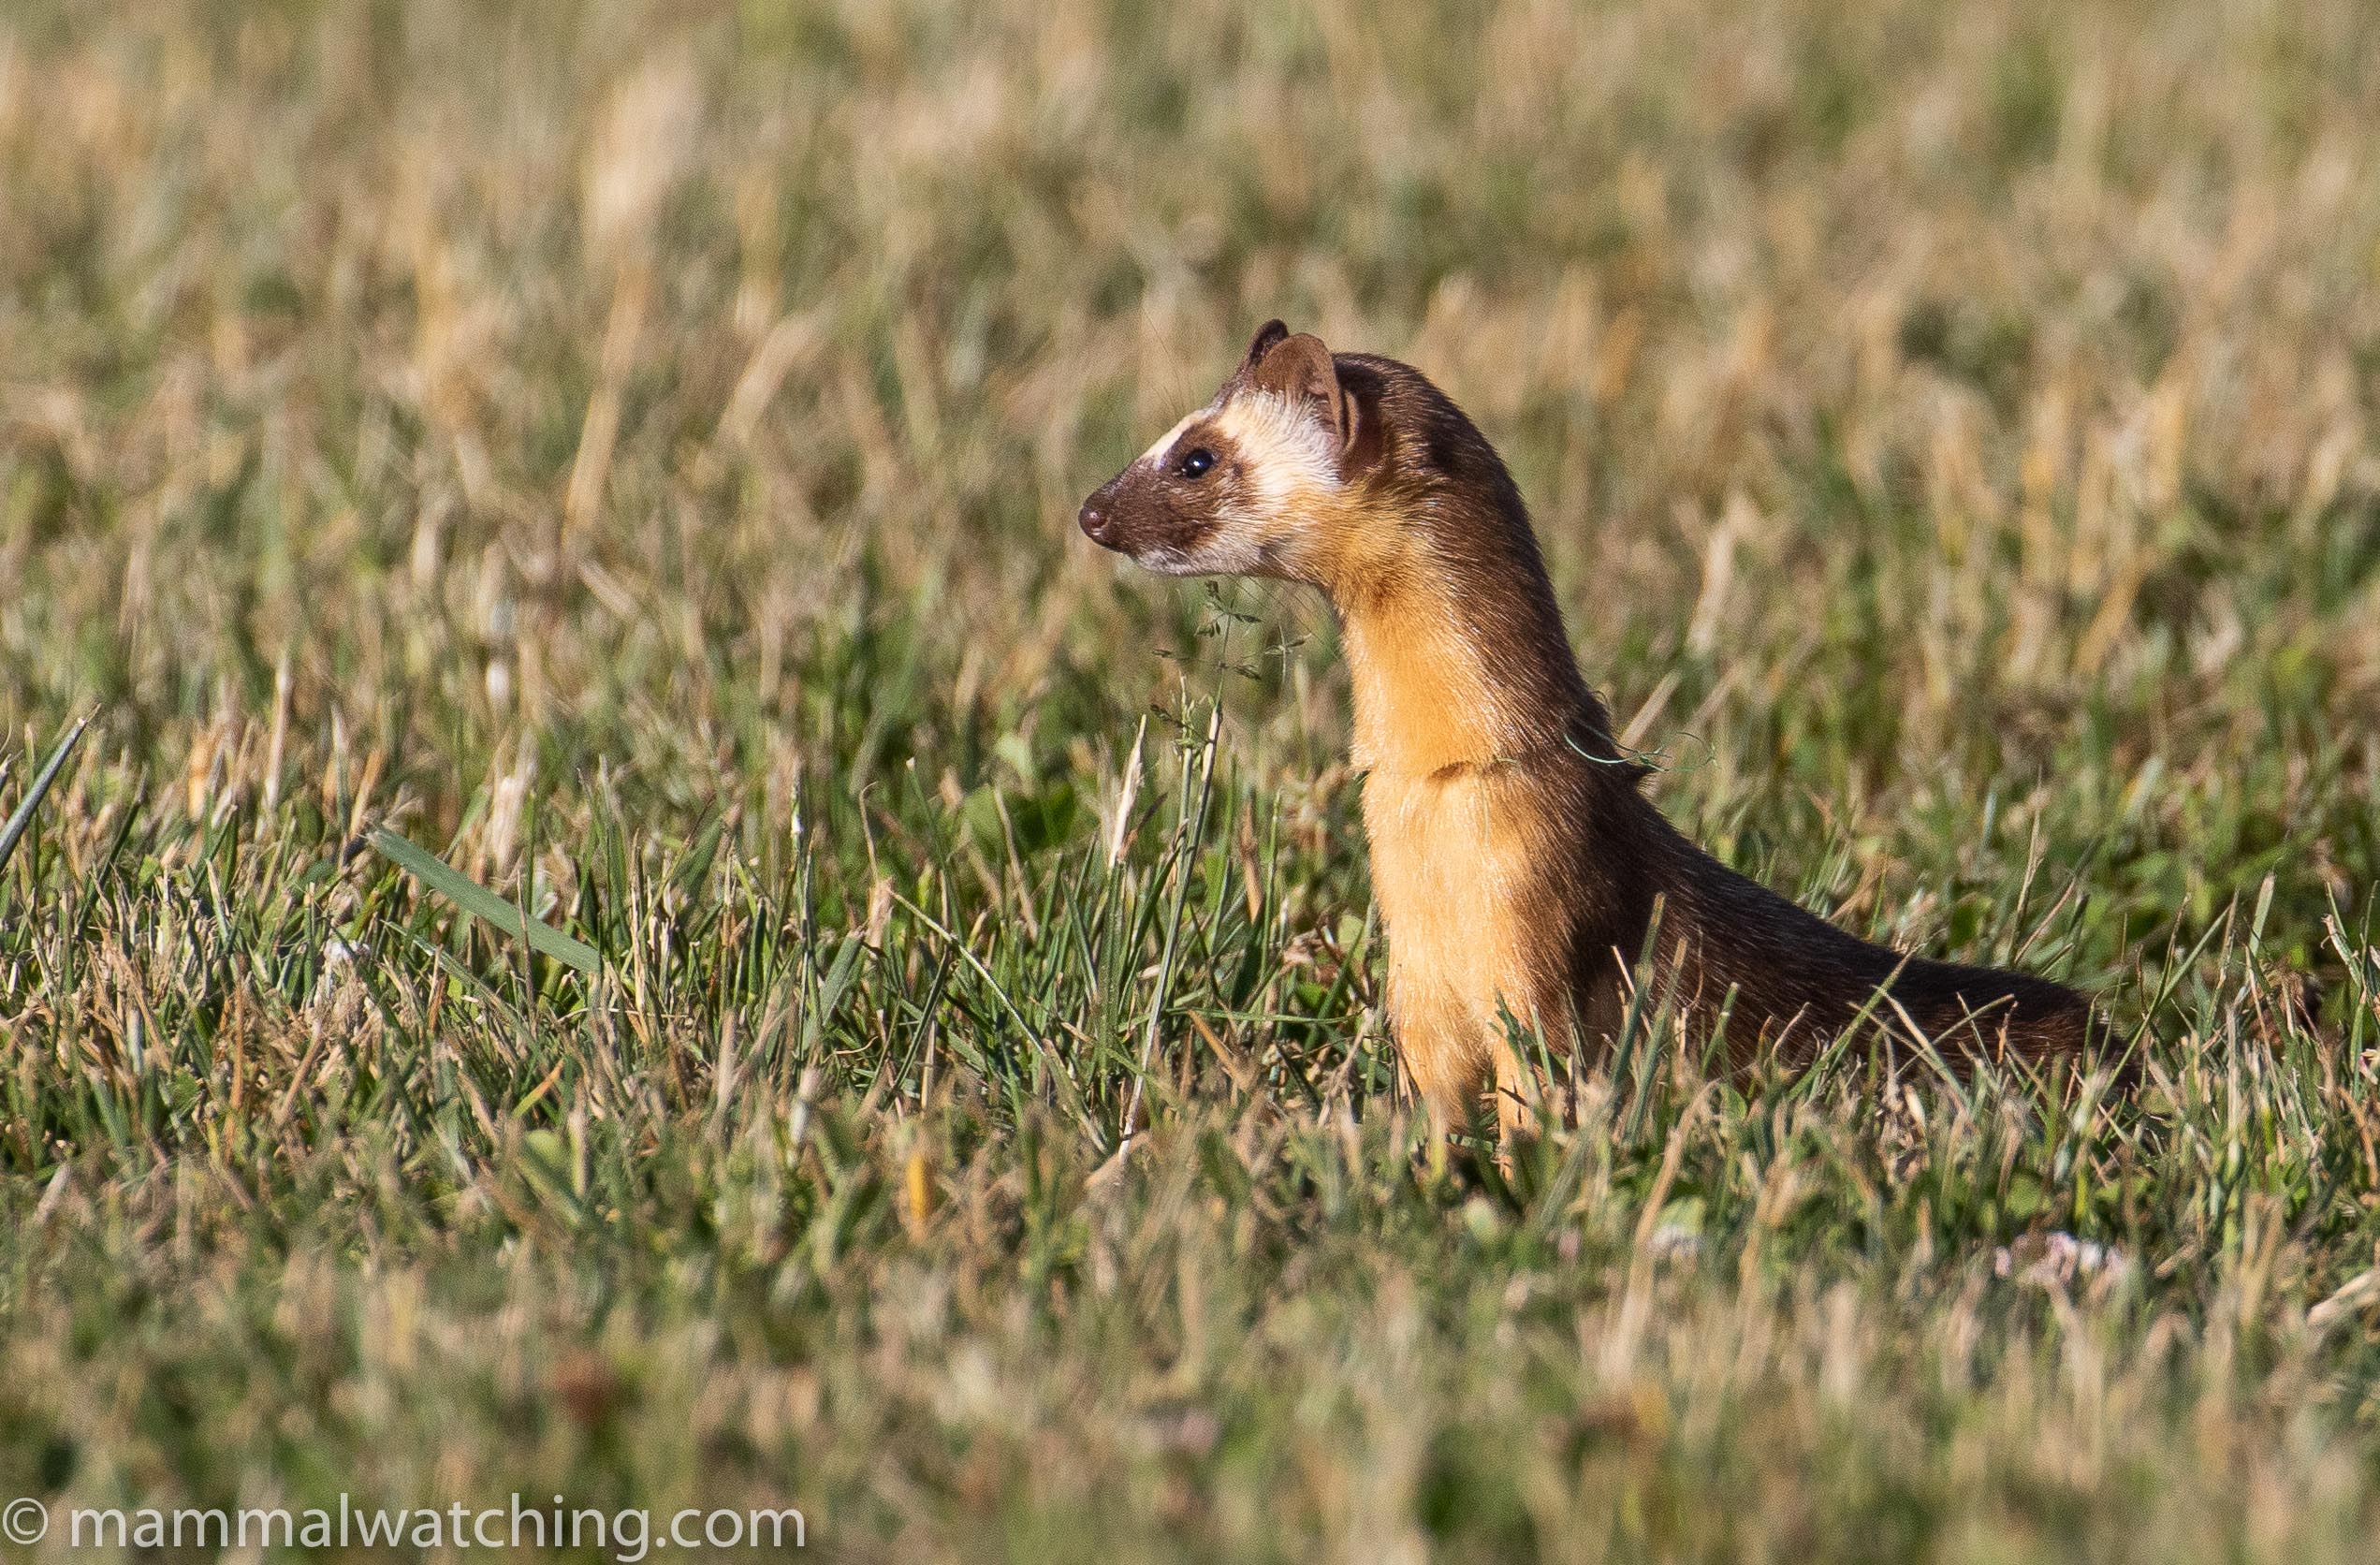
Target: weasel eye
[1195, 464]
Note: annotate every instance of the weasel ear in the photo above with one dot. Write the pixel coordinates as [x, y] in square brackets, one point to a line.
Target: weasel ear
[1268, 337]
[1300, 369]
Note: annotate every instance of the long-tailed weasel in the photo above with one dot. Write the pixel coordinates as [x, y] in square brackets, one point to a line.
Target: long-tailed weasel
[1517, 865]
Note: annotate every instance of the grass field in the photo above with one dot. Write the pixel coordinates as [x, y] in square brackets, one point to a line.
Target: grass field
[632, 451]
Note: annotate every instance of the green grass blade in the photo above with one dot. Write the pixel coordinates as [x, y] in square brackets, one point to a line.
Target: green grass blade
[477, 900]
[32, 800]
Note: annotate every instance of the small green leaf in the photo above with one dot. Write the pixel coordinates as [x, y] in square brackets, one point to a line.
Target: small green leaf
[32, 800]
[477, 899]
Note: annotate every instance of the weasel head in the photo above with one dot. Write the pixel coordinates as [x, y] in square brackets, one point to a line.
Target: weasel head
[1261, 481]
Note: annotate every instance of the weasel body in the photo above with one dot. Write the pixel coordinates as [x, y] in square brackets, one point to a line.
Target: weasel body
[1516, 863]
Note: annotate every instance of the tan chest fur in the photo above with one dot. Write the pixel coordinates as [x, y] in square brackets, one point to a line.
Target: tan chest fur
[1456, 879]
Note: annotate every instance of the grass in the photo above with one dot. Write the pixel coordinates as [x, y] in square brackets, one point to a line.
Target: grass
[630, 452]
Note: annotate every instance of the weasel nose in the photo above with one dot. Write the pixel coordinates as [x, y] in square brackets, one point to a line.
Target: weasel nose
[1095, 520]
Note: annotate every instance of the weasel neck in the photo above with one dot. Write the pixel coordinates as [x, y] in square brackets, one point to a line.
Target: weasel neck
[1449, 675]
